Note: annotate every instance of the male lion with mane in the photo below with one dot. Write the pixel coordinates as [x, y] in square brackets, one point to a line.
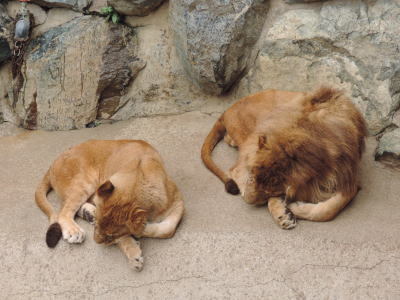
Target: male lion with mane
[120, 186]
[299, 152]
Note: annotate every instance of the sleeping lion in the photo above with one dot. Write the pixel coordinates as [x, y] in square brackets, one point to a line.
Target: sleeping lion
[297, 151]
[120, 186]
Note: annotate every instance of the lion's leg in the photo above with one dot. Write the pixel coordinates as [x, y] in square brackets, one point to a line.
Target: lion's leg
[73, 200]
[280, 213]
[167, 227]
[87, 212]
[229, 140]
[322, 211]
[131, 248]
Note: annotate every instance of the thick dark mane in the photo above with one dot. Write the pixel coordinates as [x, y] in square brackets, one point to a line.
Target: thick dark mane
[321, 150]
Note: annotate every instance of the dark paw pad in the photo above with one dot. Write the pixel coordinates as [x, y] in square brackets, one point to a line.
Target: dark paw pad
[231, 187]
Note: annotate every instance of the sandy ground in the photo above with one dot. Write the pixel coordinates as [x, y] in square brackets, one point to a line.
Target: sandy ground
[224, 248]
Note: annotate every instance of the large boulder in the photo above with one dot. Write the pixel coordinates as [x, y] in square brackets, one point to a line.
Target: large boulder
[214, 39]
[79, 5]
[72, 71]
[353, 45]
[135, 7]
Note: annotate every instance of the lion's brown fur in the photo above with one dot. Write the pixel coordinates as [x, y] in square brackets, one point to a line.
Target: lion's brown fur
[306, 147]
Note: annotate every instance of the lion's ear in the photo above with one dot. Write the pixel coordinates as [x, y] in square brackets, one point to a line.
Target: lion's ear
[106, 189]
[137, 221]
[262, 142]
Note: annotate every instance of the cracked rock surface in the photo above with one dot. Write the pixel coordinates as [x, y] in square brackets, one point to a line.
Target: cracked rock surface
[353, 45]
[76, 72]
[223, 247]
[214, 39]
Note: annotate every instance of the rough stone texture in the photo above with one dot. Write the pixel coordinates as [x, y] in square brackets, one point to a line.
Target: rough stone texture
[135, 7]
[162, 87]
[78, 5]
[71, 69]
[350, 44]
[38, 13]
[388, 150]
[5, 34]
[5, 54]
[55, 17]
[214, 39]
[5, 51]
[223, 249]
[6, 111]
[302, 1]
[97, 5]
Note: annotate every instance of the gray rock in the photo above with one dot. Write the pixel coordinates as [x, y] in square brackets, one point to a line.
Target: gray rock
[301, 1]
[78, 5]
[135, 7]
[5, 51]
[55, 17]
[5, 34]
[353, 45]
[388, 150]
[71, 69]
[214, 39]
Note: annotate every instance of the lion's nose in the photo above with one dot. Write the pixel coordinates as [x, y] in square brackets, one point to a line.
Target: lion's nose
[97, 237]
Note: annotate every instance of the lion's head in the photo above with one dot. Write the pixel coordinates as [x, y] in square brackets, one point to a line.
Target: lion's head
[268, 168]
[117, 215]
[282, 163]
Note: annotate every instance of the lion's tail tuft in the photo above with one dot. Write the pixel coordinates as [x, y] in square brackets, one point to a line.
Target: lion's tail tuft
[215, 135]
[53, 235]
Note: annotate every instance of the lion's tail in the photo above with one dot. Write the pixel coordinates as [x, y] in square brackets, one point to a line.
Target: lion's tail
[54, 232]
[215, 135]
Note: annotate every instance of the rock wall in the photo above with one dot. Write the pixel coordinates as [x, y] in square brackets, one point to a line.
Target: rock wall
[175, 56]
[75, 72]
[351, 44]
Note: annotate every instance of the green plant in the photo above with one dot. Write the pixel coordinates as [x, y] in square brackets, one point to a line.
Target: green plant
[110, 14]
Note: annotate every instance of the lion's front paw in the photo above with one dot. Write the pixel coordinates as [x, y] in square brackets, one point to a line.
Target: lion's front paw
[88, 213]
[287, 220]
[136, 263]
[71, 232]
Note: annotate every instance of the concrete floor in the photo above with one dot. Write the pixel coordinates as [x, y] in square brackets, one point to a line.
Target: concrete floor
[222, 249]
